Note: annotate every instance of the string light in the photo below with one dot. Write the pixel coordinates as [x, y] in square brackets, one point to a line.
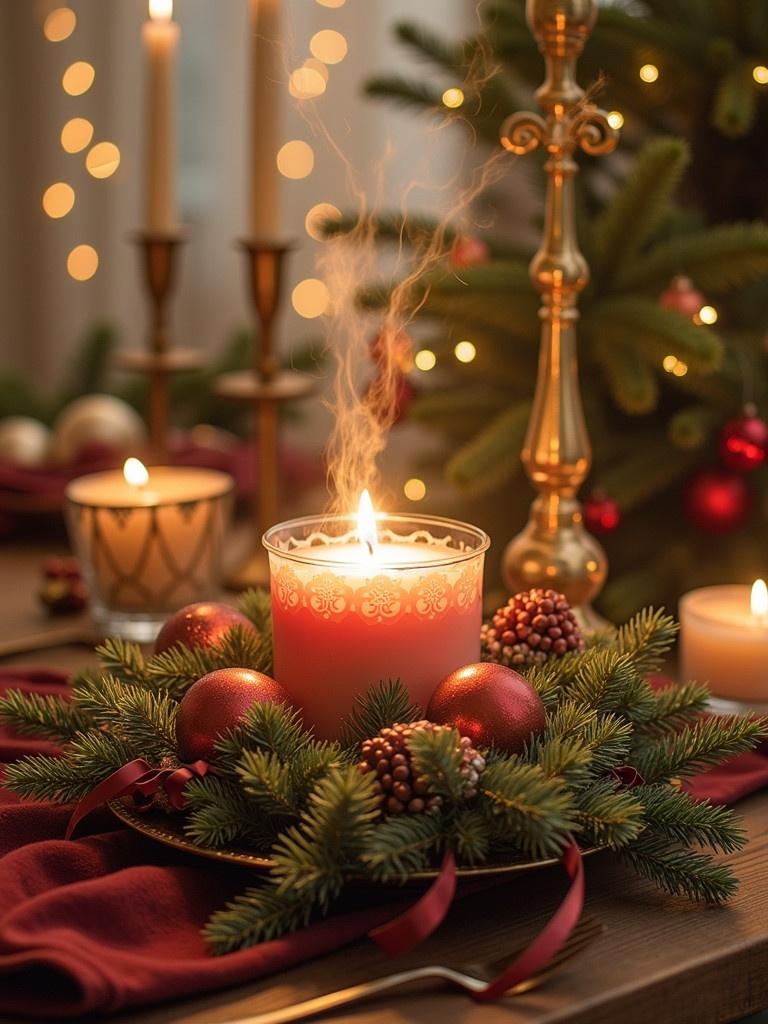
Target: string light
[465, 351]
[675, 366]
[82, 262]
[58, 199]
[103, 160]
[295, 159]
[453, 98]
[306, 83]
[317, 217]
[76, 134]
[649, 73]
[707, 315]
[310, 298]
[415, 489]
[760, 74]
[78, 78]
[425, 359]
[59, 24]
[616, 119]
[328, 45]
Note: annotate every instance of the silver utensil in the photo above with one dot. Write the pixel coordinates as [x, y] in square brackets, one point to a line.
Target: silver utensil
[469, 977]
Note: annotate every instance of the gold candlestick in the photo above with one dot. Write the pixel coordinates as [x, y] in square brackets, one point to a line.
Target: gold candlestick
[159, 360]
[266, 387]
[554, 549]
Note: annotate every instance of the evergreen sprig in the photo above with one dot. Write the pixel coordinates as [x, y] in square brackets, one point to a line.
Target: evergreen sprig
[46, 716]
[384, 704]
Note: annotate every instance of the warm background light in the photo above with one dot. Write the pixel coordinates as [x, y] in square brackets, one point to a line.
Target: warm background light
[317, 216]
[453, 98]
[103, 160]
[328, 46]
[425, 359]
[318, 66]
[295, 159]
[331, 3]
[649, 72]
[78, 78]
[760, 74]
[161, 10]
[616, 119]
[58, 199]
[310, 298]
[465, 351]
[305, 83]
[415, 489]
[82, 262]
[135, 472]
[59, 24]
[76, 134]
[707, 315]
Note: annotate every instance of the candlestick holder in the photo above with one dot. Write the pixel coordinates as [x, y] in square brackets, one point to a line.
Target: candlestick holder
[554, 549]
[159, 360]
[266, 387]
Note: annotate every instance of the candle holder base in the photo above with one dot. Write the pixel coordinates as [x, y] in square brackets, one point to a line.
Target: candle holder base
[140, 628]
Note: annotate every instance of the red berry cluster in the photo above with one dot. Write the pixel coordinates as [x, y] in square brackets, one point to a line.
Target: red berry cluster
[389, 756]
[531, 627]
[63, 589]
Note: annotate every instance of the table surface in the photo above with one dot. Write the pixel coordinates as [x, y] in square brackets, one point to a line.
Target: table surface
[657, 958]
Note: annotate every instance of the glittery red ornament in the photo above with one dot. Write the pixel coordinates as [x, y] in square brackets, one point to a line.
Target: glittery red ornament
[744, 442]
[215, 704]
[200, 625]
[601, 514]
[718, 500]
[682, 297]
[491, 704]
[469, 252]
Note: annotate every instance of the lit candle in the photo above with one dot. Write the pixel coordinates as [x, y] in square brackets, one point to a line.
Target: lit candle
[267, 81]
[724, 642]
[380, 597]
[149, 541]
[161, 37]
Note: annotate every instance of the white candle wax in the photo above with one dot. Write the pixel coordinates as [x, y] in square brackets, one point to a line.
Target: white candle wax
[723, 644]
[267, 80]
[160, 37]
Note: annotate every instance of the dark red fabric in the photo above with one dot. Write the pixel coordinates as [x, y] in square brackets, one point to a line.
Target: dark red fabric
[113, 920]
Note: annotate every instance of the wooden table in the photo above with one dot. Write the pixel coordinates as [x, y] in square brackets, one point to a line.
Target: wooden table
[659, 960]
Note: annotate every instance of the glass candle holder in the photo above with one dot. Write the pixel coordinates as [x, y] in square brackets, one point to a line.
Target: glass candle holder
[346, 616]
[147, 550]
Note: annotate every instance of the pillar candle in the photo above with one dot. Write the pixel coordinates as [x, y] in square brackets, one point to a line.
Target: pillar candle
[160, 36]
[267, 80]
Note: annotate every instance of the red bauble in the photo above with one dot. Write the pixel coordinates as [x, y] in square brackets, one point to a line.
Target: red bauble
[491, 704]
[744, 442]
[682, 297]
[215, 704]
[601, 514]
[718, 500]
[469, 252]
[200, 625]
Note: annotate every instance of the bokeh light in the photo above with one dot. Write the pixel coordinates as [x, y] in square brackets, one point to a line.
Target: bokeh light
[310, 298]
[760, 74]
[616, 119]
[331, 3]
[707, 315]
[465, 351]
[78, 78]
[103, 160]
[295, 159]
[415, 489]
[318, 66]
[328, 45]
[675, 366]
[453, 97]
[425, 359]
[59, 24]
[305, 83]
[317, 216]
[58, 199]
[649, 73]
[82, 262]
[76, 134]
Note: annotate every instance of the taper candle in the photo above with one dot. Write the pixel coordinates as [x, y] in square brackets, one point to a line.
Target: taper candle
[160, 37]
[266, 80]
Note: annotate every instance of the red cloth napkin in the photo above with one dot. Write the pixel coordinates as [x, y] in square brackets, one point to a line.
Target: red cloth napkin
[113, 920]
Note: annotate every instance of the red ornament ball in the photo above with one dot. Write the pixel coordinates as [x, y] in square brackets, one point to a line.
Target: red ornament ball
[718, 500]
[491, 704]
[200, 625]
[215, 704]
[602, 514]
[744, 442]
[682, 297]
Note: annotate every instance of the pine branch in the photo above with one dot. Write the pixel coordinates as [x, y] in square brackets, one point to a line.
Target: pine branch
[273, 728]
[646, 638]
[383, 705]
[429, 45]
[525, 807]
[259, 915]
[490, 459]
[674, 707]
[609, 816]
[256, 605]
[144, 719]
[90, 758]
[706, 743]
[268, 784]
[438, 758]
[735, 106]
[633, 385]
[609, 681]
[680, 871]
[567, 758]
[49, 717]
[219, 814]
[123, 660]
[176, 669]
[674, 814]
[401, 844]
[404, 91]
[605, 736]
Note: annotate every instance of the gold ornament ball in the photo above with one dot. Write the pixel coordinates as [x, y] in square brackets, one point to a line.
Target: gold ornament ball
[24, 441]
[97, 419]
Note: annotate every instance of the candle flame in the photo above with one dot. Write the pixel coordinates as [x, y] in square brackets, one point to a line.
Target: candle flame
[759, 599]
[160, 10]
[135, 473]
[366, 523]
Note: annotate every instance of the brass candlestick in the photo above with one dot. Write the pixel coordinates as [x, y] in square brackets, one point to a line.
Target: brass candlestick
[554, 549]
[266, 387]
[159, 360]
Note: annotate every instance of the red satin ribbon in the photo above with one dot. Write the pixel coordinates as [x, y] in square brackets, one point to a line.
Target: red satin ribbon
[423, 917]
[139, 778]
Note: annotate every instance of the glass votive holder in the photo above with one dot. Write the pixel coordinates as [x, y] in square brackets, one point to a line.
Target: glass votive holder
[147, 550]
[345, 616]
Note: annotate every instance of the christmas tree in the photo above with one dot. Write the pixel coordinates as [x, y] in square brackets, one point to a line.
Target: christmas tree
[672, 329]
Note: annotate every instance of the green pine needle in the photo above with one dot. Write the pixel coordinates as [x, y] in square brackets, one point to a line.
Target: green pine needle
[679, 871]
[44, 716]
[402, 844]
[383, 705]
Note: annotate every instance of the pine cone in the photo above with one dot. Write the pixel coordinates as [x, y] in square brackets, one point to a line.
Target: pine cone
[389, 756]
[531, 627]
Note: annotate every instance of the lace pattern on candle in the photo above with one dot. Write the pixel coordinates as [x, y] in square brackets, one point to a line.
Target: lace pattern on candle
[417, 538]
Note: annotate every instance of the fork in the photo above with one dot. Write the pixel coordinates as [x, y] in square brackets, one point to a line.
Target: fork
[471, 978]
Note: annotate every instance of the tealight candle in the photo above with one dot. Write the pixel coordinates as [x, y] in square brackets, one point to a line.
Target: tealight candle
[382, 597]
[724, 642]
[149, 541]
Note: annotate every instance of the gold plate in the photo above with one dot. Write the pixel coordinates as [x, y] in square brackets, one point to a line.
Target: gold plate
[169, 829]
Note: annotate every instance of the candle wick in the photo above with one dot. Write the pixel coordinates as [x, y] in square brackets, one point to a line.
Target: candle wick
[369, 545]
